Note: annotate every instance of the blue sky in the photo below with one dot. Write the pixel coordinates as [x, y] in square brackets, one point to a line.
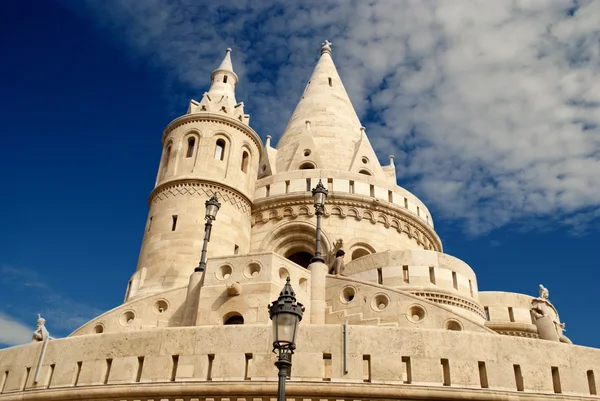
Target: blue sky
[492, 113]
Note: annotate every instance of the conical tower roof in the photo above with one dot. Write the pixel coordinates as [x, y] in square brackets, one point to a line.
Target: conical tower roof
[220, 98]
[324, 119]
[224, 79]
[226, 65]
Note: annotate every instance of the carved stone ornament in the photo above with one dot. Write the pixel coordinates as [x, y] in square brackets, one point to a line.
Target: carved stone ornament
[41, 333]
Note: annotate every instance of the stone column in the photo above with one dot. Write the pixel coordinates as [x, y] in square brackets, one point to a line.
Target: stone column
[318, 277]
[192, 299]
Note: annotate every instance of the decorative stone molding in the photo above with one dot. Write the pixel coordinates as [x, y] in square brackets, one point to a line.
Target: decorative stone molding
[241, 390]
[200, 188]
[214, 118]
[517, 334]
[282, 208]
[451, 300]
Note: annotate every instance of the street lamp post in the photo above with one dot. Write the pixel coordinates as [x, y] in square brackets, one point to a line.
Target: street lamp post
[319, 195]
[212, 207]
[285, 314]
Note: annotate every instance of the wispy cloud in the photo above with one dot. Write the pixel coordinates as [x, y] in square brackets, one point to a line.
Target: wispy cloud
[28, 293]
[492, 108]
[13, 332]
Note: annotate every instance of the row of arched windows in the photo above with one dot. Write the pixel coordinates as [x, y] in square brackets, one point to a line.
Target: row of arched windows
[220, 147]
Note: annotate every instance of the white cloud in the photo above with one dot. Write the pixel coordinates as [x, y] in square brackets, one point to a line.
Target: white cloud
[28, 293]
[13, 332]
[492, 108]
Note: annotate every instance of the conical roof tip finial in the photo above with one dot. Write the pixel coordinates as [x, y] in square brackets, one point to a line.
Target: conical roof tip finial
[226, 63]
[287, 290]
[326, 47]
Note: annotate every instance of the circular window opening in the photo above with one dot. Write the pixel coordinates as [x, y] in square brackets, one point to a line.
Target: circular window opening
[306, 152]
[453, 325]
[359, 253]
[303, 283]
[160, 306]
[380, 302]
[252, 270]
[365, 160]
[348, 294]
[301, 258]
[306, 166]
[283, 273]
[224, 272]
[127, 318]
[416, 313]
[234, 318]
[99, 328]
[365, 172]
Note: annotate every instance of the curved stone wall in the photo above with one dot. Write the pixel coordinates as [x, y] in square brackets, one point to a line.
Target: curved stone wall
[257, 278]
[203, 154]
[510, 313]
[343, 182]
[365, 303]
[286, 224]
[158, 310]
[174, 233]
[422, 364]
[203, 162]
[435, 276]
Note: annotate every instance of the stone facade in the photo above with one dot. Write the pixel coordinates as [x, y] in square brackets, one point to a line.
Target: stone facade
[404, 321]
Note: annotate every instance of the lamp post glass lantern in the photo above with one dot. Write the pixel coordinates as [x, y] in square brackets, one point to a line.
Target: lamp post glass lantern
[319, 195]
[212, 208]
[285, 313]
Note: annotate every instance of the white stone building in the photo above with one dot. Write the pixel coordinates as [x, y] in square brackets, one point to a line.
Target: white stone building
[405, 321]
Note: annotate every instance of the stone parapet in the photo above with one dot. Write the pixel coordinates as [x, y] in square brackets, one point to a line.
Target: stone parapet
[343, 182]
[366, 303]
[435, 276]
[236, 361]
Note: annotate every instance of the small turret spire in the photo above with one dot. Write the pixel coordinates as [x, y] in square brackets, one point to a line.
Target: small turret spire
[223, 81]
[220, 98]
[226, 63]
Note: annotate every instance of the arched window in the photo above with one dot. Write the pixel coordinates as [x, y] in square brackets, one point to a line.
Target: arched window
[233, 319]
[245, 162]
[359, 253]
[167, 157]
[191, 145]
[301, 258]
[220, 149]
[307, 166]
[365, 172]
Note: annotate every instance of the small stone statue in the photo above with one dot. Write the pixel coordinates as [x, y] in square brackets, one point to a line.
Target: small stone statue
[544, 293]
[41, 333]
[337, 267]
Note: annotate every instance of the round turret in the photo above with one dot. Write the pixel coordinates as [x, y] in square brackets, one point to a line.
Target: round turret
[209, 150]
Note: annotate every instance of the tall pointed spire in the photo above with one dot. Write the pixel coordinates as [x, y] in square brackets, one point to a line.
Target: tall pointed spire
[223, 79]
[220, 98]
[335, 130]
[226, 63]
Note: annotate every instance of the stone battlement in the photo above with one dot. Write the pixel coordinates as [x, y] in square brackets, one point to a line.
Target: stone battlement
[342, 182]
[116, 363]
